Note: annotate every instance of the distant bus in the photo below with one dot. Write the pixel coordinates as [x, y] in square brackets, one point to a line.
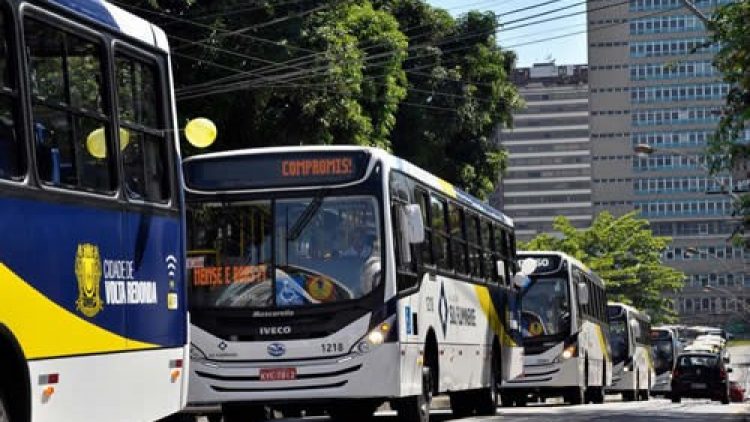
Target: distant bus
[629, 337]
[93, 321]
[341, 278]
[565, 329]
[665, 346]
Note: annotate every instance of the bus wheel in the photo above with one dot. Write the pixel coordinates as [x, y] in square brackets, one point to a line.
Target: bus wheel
[353, 411]
[575, 395]
[628, 395]
[244, 413]
[487, 398]
[417, 408]
[4, 416]
[506, 400]
[461, 404]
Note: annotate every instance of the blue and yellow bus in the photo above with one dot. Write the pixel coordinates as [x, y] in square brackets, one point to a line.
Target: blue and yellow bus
[93, 320]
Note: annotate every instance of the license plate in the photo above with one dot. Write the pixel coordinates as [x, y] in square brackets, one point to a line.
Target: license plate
[698, 386]
[278, 374]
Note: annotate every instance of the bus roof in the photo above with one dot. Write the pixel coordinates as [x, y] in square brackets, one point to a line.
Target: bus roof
[632, 309]
[390, 160]
[117, 19]
[566, 257]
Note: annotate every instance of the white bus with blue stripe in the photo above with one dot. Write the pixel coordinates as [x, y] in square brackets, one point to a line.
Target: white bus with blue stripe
[339, 278]
[93, 313]
[564, 322]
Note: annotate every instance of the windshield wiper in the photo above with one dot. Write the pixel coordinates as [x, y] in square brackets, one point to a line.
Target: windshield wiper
[307, 215]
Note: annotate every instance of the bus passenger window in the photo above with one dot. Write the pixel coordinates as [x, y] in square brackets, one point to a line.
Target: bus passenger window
[70, 120]
[475, 252]
[439, 232]
[144, 147]
[458, 242]
[12, 157]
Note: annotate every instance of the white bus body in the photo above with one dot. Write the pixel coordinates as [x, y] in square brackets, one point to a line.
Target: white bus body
[410, 321]
[565, 334]
[665, 346]
[633, 370]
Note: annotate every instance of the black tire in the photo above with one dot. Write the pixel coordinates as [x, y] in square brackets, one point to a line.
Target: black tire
[487, 399]
[461, 404]
[522, 400]
[244, 413]
[177, 417]
[214, 417]
[597, 395]
[353, 411]
[417, 408]
[629, 395]
[676, 398]
[725, 398]
[644, 395]
[4, 415]
[507, 400]
[575, 396]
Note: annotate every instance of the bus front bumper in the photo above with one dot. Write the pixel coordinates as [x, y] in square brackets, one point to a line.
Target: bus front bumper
[372, 375]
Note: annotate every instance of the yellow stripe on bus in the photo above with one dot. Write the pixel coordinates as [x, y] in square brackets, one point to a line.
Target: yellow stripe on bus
[493, 317]
[45, 329]
[447, 188]
[602, 341]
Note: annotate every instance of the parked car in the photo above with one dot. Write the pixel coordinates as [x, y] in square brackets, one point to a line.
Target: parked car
[736, 391]
[700, 375]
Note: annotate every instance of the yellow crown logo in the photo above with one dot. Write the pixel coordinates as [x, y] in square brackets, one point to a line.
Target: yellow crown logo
[88, 273]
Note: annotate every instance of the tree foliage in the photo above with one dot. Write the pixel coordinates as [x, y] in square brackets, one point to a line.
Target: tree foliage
[626, 254]
[729, 26]
[397, 74]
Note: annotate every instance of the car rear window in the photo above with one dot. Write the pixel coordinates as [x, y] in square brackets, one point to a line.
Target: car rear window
[688, 361]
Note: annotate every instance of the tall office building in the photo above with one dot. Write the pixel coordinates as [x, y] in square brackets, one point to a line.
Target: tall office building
[549, 171]
[652, 83]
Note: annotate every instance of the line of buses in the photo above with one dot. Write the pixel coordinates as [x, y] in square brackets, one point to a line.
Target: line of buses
[305, 279]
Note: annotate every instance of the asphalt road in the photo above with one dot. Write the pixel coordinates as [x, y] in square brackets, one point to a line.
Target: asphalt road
[614, 410]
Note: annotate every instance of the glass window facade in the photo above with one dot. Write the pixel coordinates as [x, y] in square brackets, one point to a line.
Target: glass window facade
[672, 70]
[666, 24]
[676, 116]
[678, 93]
[660, 48]
[671, 185]
[656, 209]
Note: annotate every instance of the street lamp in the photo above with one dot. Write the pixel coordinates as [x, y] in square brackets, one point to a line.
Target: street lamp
[644, 150]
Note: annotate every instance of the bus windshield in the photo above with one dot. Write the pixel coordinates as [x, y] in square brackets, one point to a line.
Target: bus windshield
[283, 253]
[619, 339]
[546, 308]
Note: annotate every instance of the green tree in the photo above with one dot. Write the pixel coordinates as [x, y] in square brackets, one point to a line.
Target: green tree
[626, 254]
[398, 74]
[729, 26]
[459, 95]
[286, 73]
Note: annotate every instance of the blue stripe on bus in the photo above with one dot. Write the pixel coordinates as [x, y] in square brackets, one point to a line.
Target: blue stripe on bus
[39, 243]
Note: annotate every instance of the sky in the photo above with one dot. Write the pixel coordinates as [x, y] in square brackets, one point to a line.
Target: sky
[563, 49]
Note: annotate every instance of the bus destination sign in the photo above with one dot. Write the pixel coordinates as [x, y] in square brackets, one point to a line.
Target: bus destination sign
[276, 170]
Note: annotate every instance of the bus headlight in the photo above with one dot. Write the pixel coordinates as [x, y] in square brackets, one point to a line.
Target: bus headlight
[374, 338]
[569, 352]
[196, 353]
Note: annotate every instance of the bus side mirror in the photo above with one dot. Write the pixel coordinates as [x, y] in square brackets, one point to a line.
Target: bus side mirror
[583, 294]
